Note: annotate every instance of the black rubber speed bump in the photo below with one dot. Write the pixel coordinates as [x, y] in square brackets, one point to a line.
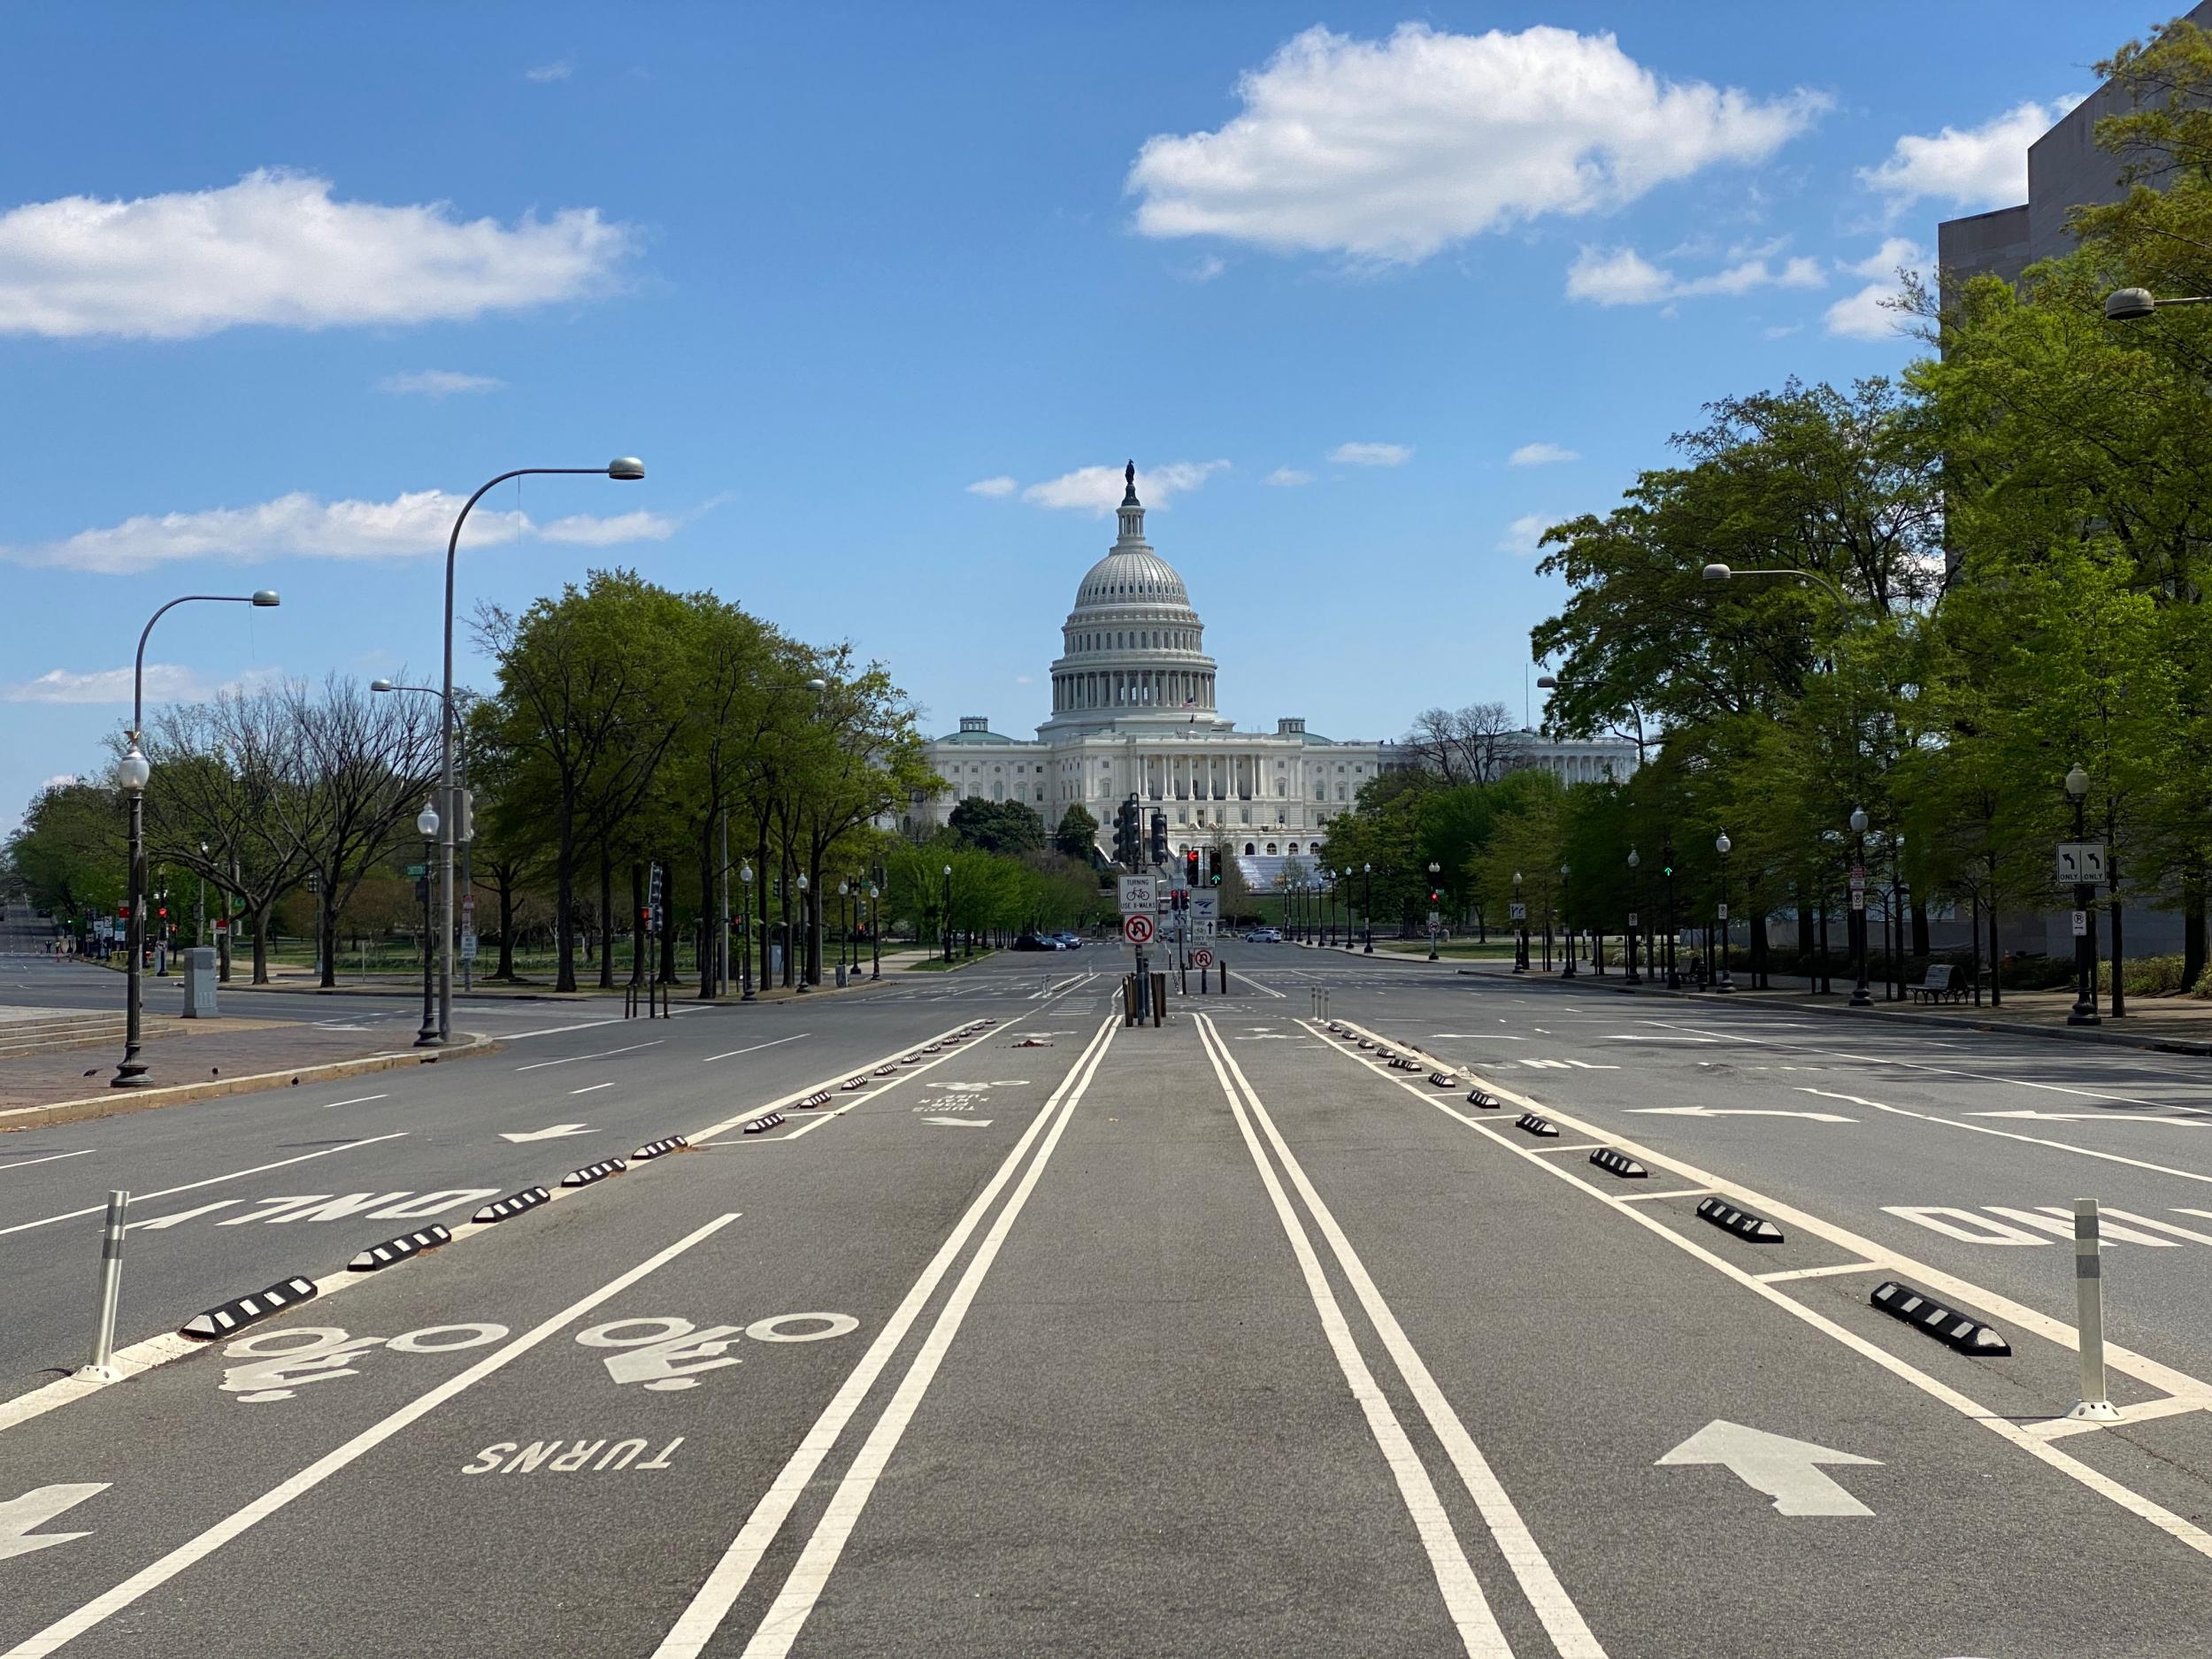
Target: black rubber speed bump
[513, 1204]
[887, 1070]
[657, 1149]
[761, 1125]
[1619, 1164]
[591, 1173]
[852, 1083]
[225, 1317]
[933, 1048]
[399, 1249]
[1443, 1080]
[1946, 1324]
[1536, 1125]
[820, 1097]
[1484, 1098]
[1750, 1228]
[1364, 1043]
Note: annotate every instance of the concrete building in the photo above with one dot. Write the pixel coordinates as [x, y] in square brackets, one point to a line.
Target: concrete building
[1135, 711]
[2066, 170]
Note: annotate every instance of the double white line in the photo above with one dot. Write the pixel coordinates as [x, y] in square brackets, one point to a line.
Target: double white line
[1469, 1610]
[781, 1627]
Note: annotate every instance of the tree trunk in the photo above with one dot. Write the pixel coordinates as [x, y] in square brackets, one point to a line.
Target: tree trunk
[710, 913]
[606, 915]
[668, 937]
[1996, 985]
[1920, 928]
[506, 891]
[814, 916]
[1806, 961]
[1759, 951]
[564, 897]
[326, 926]
[261, 943]
[2192, 928]
[637, 922]
[2119, 991]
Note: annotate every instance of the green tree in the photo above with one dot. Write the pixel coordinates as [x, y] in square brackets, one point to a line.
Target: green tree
[1077, 836]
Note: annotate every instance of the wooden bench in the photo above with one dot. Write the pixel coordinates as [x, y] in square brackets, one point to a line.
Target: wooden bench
[1941, 985]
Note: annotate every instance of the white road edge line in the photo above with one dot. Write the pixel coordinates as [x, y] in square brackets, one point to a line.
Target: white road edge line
[2007, 1134]
[1828, 1271]
[554, 1030]
[94, 1209]
[2182, 1531]
[26, 1163]
[151, 1578]
[1563, 1621]
[696, 1626]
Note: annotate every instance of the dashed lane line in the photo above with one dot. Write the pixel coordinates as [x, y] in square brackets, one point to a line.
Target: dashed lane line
[605, 1053]
[94, 1209]
[25, 1163]
[1470, 1610]
[696, 1625]
[2009, 1134]
[775, 1043]
[151, 1578]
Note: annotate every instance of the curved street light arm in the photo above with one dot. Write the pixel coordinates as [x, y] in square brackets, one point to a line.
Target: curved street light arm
[138, 666]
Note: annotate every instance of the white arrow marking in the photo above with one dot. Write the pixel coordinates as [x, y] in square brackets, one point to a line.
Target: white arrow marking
[554, 1133]
[961, 1123]
[1735, 1111]
[2098, 1118]
[1783, 1469]
[36, 1507]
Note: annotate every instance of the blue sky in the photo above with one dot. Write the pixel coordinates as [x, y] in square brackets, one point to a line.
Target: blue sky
[274, 285]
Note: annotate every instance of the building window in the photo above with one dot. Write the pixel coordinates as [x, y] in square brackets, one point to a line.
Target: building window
[1249, 849]
[1294, 846]
[1270, 849]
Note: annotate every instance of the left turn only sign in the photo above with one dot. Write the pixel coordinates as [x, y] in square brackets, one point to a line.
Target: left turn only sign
[1137, 929]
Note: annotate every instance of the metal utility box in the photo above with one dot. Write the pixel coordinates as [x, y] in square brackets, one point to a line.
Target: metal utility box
[199, 982]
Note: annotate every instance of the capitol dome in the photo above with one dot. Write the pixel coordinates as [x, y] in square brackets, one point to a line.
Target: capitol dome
[1133, 649]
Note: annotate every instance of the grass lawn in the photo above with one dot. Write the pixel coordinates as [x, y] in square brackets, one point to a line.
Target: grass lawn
[938, 965]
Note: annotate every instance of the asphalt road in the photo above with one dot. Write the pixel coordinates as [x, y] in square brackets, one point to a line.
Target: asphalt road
[1223, 1337]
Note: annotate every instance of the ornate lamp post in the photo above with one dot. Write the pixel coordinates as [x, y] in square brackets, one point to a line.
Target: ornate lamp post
[1367, 907]
[745, 946]
[1666, 860]
[1632, 977]
[945, 927]
[1566, 928]
[2084, 1012]
[1859, 997]
[1520, 929]
[427, 825]
[806, 931]
[1436, 894]
[875, 933]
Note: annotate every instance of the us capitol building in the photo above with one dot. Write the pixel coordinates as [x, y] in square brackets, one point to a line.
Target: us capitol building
[1134, 711]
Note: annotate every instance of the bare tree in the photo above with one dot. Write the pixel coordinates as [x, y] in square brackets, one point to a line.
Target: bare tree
[1475, 744]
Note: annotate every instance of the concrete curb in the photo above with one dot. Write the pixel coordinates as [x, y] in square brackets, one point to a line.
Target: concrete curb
[117, 1103]
[1905, 1021]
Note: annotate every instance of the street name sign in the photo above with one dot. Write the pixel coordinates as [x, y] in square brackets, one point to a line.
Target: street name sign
[1136, 895]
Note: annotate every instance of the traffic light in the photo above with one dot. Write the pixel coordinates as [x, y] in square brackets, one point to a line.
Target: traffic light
[464, 825]
[1190, 867]
[1128, 849]
[1213, 867]
[1159, 838]
[1435, 896]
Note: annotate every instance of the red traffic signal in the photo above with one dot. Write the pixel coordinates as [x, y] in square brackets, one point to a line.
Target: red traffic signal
[1435, 896]
[645, 916]
[1190, 867]
[163, 912]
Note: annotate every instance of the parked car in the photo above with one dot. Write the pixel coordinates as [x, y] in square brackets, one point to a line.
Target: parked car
[1031, 941]
[1265, 936]
[1068, 941]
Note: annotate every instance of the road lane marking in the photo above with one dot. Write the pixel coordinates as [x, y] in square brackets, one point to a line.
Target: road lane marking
[1561, 1619]
[787, 1615]
[1683, 1192]
[2179, 1383]
[554, 1030]
[358, 1100]
[1828, 1271]
[2009, 1135]
[696, 1626]
[101, 1608]
[26, 1163]
[605, 1053]
[756, 1049]
[94, 1209]
[591, 1088]
[1265, 990]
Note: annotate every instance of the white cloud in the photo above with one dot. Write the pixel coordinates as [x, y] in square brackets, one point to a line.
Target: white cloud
[1205, 268]
[1981, 167]
[1540, 455]
[1287, 478]
[560, 69]
[994, 486]
[1372, 453]
[274, 248]
[436, 383]
[1391, 150]
[1522, 535]
[1098, 488]
[1624, 277]
[165, 682]
[1780, 331]
[59, 780]
[1025, 679]
[1869, 314]
[300, 526]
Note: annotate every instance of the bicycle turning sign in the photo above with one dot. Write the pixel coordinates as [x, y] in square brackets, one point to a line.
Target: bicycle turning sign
[1137, 929]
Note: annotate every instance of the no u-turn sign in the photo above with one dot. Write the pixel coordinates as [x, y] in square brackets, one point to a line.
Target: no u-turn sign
[1137, 929]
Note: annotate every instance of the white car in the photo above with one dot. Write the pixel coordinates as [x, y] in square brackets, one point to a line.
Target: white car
[1265, 936]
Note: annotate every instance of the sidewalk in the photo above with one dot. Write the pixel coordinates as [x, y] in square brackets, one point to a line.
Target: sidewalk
[2175, 1025]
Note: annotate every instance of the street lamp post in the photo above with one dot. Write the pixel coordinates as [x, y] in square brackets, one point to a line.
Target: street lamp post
[806, 928]
[1367, 907]
[427, 824]
[1859, 997]
[945, 926]
[745, 945]
[875, 931]
[2084, 1012]
[1666, 862]
[625, 467]
[1632, 977]
[1520, 929]
[132, 772]
[1721, 845]
[1566, 928]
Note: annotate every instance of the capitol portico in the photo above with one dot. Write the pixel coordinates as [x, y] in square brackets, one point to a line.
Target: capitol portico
[1134, 712]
